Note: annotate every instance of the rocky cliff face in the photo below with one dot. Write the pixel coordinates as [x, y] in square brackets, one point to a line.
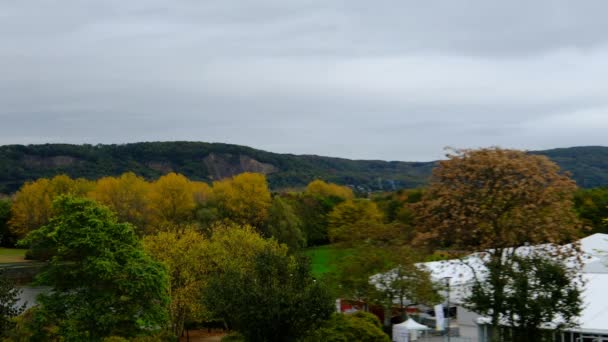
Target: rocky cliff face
[221, 165]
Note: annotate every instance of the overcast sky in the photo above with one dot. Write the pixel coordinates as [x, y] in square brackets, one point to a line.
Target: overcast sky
[393, 80]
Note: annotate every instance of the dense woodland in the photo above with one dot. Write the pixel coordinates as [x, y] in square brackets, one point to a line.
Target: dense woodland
[208, 162]
[173, 251]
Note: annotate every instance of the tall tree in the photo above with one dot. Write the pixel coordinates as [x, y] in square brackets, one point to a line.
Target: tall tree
[243, 199]
[347, 217]
[494, 201]
[127, 196]
[7, 237]
[102, 282]
[184, 257]
[172, 202]
[32, 204]
[284, 225]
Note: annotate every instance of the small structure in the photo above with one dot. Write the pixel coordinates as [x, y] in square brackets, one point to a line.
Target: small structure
[408, 331]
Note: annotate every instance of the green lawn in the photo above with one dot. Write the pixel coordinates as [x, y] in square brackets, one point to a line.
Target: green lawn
[11, 255]
[323, 258]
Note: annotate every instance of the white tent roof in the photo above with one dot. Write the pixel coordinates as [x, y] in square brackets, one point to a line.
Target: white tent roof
[411, 324]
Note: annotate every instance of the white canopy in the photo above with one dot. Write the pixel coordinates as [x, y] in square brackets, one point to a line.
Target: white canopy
[410, 324]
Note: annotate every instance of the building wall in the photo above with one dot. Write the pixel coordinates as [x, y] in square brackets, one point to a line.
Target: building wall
[466, 323]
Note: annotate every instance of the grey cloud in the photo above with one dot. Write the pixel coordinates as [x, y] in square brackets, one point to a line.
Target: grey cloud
[358, 79]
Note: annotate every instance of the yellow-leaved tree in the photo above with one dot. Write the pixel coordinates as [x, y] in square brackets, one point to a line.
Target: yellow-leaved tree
[323, 189]
[127, 196]
[172, 202]
[32, 204]
[184, 256]
[243, 199]
[348, 218]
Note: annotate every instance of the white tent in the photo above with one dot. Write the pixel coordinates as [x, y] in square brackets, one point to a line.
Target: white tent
[408, 330]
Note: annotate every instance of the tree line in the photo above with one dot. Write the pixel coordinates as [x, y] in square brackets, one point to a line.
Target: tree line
[225, 251]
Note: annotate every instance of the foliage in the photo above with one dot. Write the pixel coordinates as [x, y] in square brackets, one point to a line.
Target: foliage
[312, 211]
[7, 238]
[127, 196]
[102, 282]
[198, 161]
[361, 326]
[9, 297]
[172, 202]
[322, 189]
[276, 300]
[284, 225]
[349, 217]
[592, 207]
[184, 258]
[244, 199]
[495, 201]
[538, 289]
[32, 204]
[383, 275]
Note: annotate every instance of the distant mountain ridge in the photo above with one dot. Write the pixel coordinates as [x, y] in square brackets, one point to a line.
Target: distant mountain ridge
[213, 161]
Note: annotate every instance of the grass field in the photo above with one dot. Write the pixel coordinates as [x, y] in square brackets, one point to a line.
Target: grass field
[11, 255]
[324, 257]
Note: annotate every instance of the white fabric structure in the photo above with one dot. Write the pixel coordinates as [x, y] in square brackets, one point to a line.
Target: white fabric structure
[409, 328]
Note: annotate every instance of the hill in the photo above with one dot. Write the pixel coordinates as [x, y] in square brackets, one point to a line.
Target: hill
[200, 161]
[213, 161]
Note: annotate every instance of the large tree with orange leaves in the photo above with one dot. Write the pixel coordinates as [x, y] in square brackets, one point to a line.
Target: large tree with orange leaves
[494, 201]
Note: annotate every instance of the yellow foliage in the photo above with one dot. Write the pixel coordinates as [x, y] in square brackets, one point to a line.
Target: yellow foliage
[183, 254]
[32, 204]
[244, 199]
[321, 188]
[350, 215]
[126, 195]
[171, 201]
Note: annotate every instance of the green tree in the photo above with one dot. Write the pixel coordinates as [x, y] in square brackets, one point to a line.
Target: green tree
[495, 201]
[360, 326]
[7, 238]
[538, 289]
[592, 207]
[284, 225]
[102, 282]
[277, 300]
[9, 308]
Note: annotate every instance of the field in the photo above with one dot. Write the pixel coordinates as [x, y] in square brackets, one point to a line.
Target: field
[324, 257]
[12, 255]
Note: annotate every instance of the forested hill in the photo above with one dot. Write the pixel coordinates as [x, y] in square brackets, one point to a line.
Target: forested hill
[208, 162]
[200, 161]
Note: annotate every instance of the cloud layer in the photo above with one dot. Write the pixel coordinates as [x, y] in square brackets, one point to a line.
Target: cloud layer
[357, 79]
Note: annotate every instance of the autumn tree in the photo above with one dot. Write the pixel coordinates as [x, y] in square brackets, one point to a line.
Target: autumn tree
[243, 199]
[348, 217]
[172, 202]
[127, 196]
[494, 201]
[32, 204]
[184, 256]
[323, 189]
